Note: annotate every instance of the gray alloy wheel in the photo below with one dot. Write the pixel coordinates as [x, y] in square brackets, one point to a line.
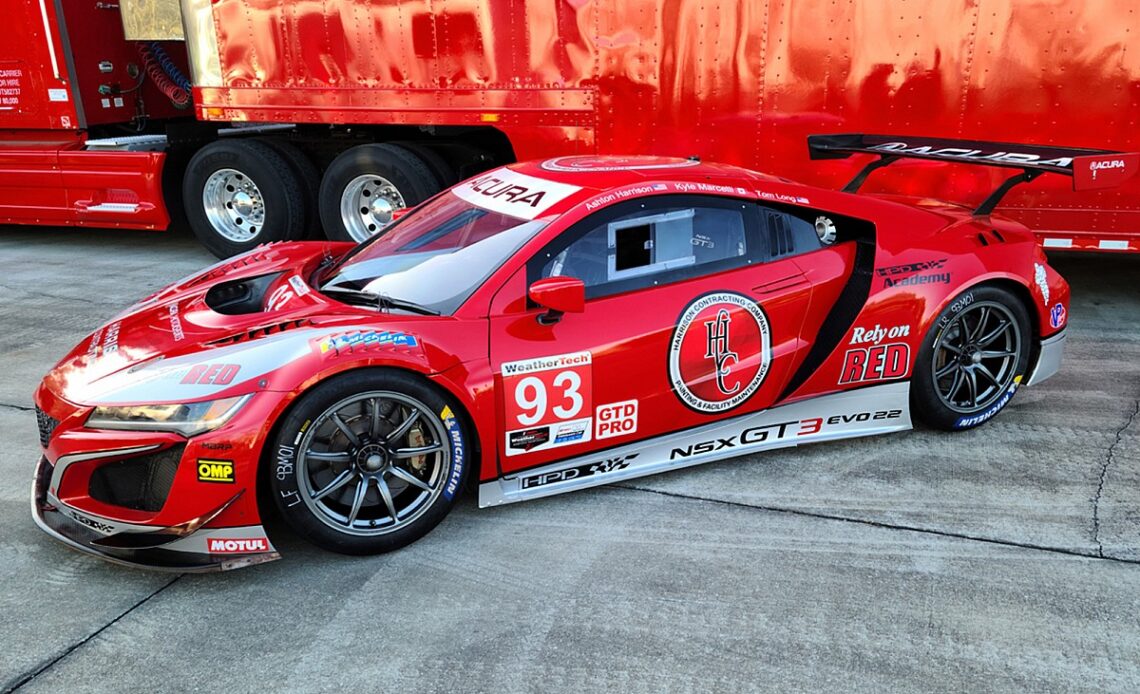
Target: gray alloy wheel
[372, 463]
[976, 357]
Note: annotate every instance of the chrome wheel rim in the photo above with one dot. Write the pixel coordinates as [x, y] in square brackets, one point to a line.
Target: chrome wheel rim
[368, 204]
[976, 357]
[234, 205]
[373, 463]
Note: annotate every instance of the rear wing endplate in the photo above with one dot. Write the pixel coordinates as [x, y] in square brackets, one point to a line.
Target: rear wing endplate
[1090, 169]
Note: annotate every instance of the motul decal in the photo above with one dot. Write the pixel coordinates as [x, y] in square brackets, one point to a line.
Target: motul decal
[513, 193]
[241, 545]
[720, 352]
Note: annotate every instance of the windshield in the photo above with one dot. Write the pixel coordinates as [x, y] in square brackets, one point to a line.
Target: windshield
[436, 256]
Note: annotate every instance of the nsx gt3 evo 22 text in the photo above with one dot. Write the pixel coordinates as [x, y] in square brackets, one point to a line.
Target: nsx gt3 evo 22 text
[540, 328]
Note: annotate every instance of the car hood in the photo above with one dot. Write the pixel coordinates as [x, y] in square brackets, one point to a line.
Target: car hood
[174, 346]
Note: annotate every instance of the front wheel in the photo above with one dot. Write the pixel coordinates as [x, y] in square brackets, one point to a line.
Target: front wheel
[368, 462]
[972, 360]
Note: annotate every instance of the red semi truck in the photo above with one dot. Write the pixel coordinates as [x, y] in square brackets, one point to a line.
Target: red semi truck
[262, 120]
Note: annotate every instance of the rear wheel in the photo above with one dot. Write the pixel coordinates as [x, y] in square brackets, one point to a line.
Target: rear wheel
[239, 194]
[365, 185]
[972, 360]
[369, 462]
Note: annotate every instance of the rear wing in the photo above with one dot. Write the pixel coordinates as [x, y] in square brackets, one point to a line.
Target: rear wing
[1090, 169]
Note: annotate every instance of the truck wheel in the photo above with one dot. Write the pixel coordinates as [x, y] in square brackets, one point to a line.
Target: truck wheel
[366, 184]
[242, 193]
[308, 178]
[368, 462]
[445, 176]
[972, 360]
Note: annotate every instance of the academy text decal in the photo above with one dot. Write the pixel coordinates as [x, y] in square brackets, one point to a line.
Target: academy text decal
[720, 352]
[548, 402]
[513, 193]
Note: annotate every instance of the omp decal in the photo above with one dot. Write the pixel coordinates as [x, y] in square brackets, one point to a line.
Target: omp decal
[237, 545]
[1057, 316]
[1042, 280]
[551, 393]
[862, 412]
[586, 164]
[455, 433]
[990, 411]
[615, 419]
[211, 374]
[972, 154]
[875, 363]
[513, 193]
[364, 338]
[216, 471]
[720, 352]
[875, 335]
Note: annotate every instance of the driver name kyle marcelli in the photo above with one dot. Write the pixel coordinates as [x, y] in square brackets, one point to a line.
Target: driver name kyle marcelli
[543, 327]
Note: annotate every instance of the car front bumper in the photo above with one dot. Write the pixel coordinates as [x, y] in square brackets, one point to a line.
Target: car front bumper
[188, 547]
[1049, 356]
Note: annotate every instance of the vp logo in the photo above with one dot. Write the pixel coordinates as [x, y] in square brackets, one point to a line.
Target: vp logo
[717, 338]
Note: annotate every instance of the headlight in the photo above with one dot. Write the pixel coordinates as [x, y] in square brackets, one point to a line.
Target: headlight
[188, 419]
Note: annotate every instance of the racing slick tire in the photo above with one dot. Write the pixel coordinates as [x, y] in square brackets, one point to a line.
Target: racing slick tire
[366, 184]
[972, 360]
[240, 194]
[368, 461]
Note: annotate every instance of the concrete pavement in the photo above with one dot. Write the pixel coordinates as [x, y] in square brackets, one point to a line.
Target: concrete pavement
[999, 559]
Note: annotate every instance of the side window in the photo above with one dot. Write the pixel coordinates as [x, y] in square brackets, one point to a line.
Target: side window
[652, 241]
[788, 235]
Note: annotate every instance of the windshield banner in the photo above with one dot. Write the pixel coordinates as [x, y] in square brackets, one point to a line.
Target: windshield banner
[512, 193]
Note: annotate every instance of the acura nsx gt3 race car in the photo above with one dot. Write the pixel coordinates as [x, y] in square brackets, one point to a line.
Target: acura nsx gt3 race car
[541, 328]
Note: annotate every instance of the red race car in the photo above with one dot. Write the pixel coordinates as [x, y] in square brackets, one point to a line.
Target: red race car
[541, 328]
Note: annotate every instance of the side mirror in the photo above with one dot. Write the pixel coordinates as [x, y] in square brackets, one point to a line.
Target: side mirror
[558, 295]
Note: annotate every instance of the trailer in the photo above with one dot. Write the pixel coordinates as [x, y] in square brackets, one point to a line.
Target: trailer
[263, 120]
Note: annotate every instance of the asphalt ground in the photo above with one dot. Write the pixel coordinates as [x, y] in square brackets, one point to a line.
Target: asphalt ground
[1005, 558]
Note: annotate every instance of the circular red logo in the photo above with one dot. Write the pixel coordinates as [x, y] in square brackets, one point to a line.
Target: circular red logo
[585, 164]
[720, 352]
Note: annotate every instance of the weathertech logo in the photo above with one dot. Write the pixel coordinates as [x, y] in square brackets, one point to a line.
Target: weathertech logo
[221, 545]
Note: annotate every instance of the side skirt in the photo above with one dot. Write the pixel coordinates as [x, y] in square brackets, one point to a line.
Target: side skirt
[862, 412]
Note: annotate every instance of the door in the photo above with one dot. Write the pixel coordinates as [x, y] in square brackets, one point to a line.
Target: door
[687, 320]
